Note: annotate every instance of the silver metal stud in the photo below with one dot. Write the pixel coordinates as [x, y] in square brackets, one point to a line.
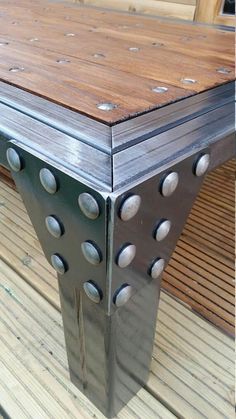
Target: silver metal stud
[14, 160]
[3, 43]
[91, 252]
[63, 61]
[224, 70]
[122, 295]
[188, 81]
[134, 49]
[202, 165]
[169, 184]
[33, 39]
[157, 268]
[70, 34]
[98, 55]
[130, 207]
[53, 226]
[48, 181]
[162, 230]
[89, 206]
[106, 106]
[58, 264]
[160, 89]
[92, 291]
[126, 255]
[16, 69]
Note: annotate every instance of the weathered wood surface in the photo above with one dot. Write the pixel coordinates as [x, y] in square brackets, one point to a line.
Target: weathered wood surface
[192, 372]
[200, 273]
[80, 57]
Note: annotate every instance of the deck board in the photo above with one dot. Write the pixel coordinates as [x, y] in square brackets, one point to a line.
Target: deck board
[117, 52]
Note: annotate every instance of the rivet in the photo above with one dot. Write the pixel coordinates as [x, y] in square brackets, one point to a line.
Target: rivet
[93, 292]
[69, 34]
[58, 264]
[157, 268]
[122, 295]
[91, 252]
[188, 81]
[130, 207]
[98, 55]
[134, 49]
[54, 227]
[48, 181]
[162, 230]
[106, 106]
[126, 255]
[34, 39]
[16, 69]
[2, 44]
[202, 165]
[160, 89]
[223, 70]
[89, 206]
[63, 61]
[169, 184]
[157, 44]
[14, 160]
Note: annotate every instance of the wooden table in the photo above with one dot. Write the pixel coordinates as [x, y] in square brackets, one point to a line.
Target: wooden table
[109, 123]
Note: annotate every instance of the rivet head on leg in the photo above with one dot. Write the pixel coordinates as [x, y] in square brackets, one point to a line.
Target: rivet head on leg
[157, 268]
[91, 252]
[58, 264]
[202, 165]
[53, 226]
[162, 230]
[14, 160]
[122, 295]
[48, 181]
[126, 255]
[130, 207]
[169, 184]
[92, 291]
[89, 206]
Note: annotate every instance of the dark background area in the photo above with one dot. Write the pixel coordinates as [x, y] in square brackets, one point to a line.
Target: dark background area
[229, 7]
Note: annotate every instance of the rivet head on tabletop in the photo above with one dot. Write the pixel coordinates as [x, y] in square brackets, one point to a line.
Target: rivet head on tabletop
[58, 264]
[202, 165]
[134, 49]
[91, 252]
[157, 268]
[98, 55]
[93, 292]
[33, 39]
[160, 89]
[106, 106]
[89, 206]
[223, 70]
[53, 226]
[3, 43]
[69, 34]
[130, 207]
[16, 69]
[122, 295]
[162, 230]
[188, 81]
[63, 61]
[14, 160]
[126, 255]
[48, 181]
[169, 184]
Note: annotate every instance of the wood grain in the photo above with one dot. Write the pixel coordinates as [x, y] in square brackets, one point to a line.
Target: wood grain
[97, 66]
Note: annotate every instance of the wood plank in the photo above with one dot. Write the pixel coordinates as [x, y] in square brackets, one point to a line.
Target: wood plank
[191, 374]
[104, 69]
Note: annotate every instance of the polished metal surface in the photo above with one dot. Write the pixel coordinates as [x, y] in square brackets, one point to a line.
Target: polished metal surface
[169, 184]
[92, 292]
[126, 255]
[14, 160]
[54, 226]
[91, 252]
[130, 207]
[157, 268]
[48, 181]
[202, 165]
[106, 106]
[162, 230]
[89, 206]
[122, 295]
[58, 264]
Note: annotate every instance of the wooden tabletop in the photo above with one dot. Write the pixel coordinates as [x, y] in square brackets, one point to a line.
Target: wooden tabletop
[83, 58]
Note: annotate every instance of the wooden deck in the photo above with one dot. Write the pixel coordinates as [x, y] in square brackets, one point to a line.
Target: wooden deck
[192, 372]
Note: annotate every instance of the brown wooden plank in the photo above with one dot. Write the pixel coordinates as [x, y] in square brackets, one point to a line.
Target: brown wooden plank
[102, 68]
